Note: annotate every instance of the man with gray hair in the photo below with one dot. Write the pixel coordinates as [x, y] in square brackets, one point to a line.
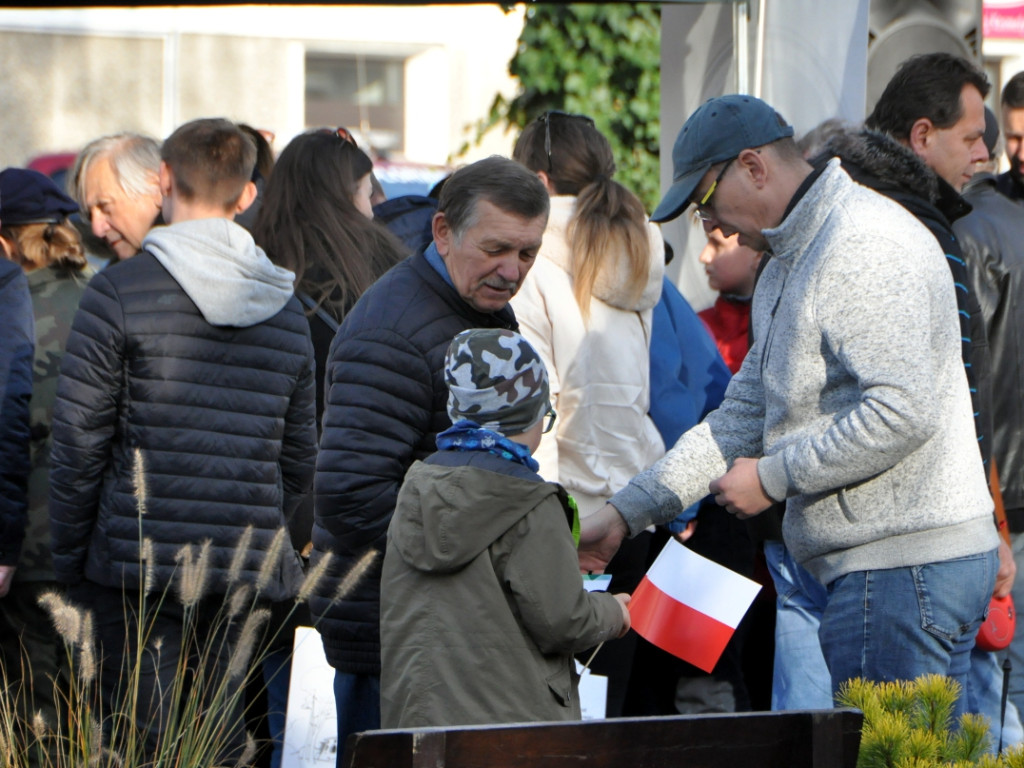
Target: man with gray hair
[386, 399]
[852, 405]
[115, 181]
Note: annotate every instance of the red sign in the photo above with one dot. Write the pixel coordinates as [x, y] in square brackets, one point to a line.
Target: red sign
[1002, 19]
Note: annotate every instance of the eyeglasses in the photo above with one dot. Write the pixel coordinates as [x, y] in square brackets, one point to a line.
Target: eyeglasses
[550, 423]
[704, 208]
[546, 119]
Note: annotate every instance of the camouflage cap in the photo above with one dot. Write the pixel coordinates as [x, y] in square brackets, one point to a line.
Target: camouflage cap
[496, 379]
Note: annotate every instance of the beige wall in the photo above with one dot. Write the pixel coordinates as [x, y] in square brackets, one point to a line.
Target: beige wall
[68, 76]
[59, 91]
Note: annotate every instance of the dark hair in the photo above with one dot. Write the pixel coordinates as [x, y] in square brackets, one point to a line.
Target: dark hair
[608, 221]
[264, 154]
[309, 224]
[928, 85]
[502, 182]
[211, 159]
[1013, 92]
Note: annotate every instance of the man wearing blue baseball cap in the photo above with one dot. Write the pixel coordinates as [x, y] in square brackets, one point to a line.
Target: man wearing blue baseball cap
[852, 405]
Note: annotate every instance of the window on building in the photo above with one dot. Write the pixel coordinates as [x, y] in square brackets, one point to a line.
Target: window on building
[362, 93]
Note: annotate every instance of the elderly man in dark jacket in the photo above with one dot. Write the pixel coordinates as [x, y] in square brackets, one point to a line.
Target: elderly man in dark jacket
[387, 400]
[188, 367]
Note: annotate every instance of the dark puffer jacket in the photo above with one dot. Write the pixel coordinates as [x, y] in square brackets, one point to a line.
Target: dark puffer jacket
[222, 415]
[17, 342]
[993, 234]
[879, 162]
[386, 403]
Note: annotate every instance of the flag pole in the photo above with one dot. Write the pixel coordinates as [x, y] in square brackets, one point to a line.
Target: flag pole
[593, 655]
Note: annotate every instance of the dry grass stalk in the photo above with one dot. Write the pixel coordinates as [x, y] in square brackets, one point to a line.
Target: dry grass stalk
[67, 619]
[194, 573]
[355, 574]
[241, 550]
[87, 655]
[139, 481]
[148, 566]
[271, 560]
[239, 600]
[247, 640]
[313, 577]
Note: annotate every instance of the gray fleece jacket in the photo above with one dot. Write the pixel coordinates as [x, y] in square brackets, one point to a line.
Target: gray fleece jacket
[854, 395]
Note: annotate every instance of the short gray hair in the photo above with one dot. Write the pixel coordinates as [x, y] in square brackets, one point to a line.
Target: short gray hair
[502, 182]
[134, 158]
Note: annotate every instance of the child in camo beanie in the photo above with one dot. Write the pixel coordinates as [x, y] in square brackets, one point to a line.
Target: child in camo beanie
[497, 380]
[480, 569]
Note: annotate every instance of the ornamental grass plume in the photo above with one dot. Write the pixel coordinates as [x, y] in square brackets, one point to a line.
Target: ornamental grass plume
[247, 641]
[194, 573]
[355, 574]
[66, 618]
[313, 577]
[241, 551]
[271, 559]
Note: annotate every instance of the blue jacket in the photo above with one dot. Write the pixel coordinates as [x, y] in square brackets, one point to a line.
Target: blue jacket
[386, 403]
[17, 346]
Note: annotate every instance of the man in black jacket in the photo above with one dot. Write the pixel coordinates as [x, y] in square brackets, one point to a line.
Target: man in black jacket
[183, 431]
[993, 234]
[1011, 183]
[387, 400]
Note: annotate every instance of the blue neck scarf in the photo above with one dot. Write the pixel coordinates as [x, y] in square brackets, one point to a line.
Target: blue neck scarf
[467, 435]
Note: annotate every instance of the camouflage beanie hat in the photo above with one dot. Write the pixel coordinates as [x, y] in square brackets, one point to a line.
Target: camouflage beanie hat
[496, 379]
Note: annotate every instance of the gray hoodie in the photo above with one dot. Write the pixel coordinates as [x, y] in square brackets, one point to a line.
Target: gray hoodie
[854, 395]
[220, 267]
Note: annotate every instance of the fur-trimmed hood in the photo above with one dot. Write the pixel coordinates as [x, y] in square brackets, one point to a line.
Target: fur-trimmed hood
[878, 161]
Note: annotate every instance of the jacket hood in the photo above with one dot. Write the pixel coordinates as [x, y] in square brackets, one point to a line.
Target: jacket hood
[220, 267]
[609, 287]
[889, 164]
[450, 514]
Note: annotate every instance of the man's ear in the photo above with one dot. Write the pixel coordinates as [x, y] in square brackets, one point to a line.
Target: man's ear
[442, 233]
[920, 136]
[247, 198]
[753, 163]
[166, 180]
[546, 181]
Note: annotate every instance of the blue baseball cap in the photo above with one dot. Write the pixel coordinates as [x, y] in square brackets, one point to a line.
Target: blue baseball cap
[719, 130]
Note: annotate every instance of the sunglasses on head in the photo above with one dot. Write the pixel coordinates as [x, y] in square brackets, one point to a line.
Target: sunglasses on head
[342, 133]
[546, 119]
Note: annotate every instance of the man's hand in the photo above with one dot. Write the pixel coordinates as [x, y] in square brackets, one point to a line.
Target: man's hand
[600, 536]
[6, 577]
[739, 490]
[1007, 570]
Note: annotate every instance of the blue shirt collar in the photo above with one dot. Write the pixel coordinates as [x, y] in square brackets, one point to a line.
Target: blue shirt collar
[434, 259]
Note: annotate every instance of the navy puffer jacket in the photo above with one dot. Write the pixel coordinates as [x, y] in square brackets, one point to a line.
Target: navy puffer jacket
[386, 403]
[223, 417]
[17, 343]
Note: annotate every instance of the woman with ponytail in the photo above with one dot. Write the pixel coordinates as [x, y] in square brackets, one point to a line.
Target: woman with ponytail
[586, 307]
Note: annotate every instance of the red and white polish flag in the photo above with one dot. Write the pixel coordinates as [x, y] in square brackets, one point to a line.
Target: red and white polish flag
[690, 606]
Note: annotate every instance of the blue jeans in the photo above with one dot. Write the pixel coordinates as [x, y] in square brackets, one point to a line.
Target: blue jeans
[357, 698]
[800, 679]
[900, 623]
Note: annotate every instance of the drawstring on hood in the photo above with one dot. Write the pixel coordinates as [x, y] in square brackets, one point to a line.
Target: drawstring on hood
[220, 267]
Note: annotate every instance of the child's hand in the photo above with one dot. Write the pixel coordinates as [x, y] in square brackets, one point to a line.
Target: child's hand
[623, 602]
